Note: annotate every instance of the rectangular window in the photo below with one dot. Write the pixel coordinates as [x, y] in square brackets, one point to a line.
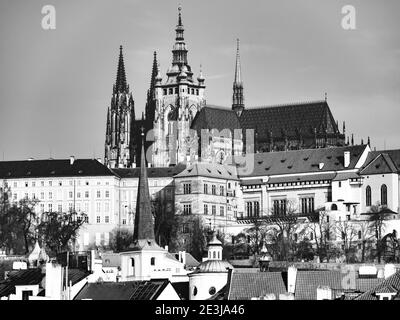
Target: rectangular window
[213, 189]
[123, 221]
[86, 207]
[70, 206]
[221, 211]
[205, 188]
[60, 208]
[187, 209]
[98, 204]
[33, 184]
[185, 228]
[107, 194]
[98, 219]
[214, 210]
[86, 194]
[106, 219]
[206, 209]
[98, 194]
[222, 190]
[249, 209]
[50, 195]
[70, 194]
[78, 194]
[42, 207]
[187, 188]
[50, 207]
[26, 184]
[307, 205]
[15, 196]
[280, 207]
[16, 184]
[106, 207]
[50, 183]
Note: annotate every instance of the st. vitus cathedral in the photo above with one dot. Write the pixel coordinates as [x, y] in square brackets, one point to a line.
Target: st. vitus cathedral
[173, 108]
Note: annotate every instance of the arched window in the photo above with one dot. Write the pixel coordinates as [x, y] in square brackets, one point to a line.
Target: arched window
[194, 291]
[334, 207]
[212, 290]
[214, 255]
[153, 261]
[368, 196]
[132, 262]
[384, 195]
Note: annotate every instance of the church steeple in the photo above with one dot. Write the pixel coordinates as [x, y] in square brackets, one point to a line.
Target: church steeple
[238, 97]
[120, 83]
[179, 54]
[144, 226]
[150, 103]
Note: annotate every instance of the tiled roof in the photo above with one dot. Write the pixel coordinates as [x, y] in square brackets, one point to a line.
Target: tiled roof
[191, 262]
[212, 266]
[313, 177]
[393, 282]
[307, 283]
[132, 290]
[205, 169]
[247, 285]
[52, 168]
[291, 118]
[76, 275]
[20, 277]
[382, 163]
[365, 284]
[304, 161]
[211, 117]
[340, 176]
[151, 172]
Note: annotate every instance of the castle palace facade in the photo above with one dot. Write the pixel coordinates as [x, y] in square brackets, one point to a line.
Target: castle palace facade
[172, 120]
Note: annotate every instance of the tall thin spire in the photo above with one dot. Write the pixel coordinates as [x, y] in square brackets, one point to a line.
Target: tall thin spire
[144, 225]
[238, 97]
[238, 71]
[150, 103]
[120, 83]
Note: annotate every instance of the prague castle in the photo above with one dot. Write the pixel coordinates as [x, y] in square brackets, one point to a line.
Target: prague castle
[173, 108]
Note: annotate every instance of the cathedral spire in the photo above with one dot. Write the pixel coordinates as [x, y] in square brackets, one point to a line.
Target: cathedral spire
[144, 226]
[150, 103]
[238, 97]
[120, 83]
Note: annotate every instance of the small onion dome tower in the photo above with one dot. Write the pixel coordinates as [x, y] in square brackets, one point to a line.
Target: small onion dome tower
[211, 275]
[265, 259]
[33, 257]
[200, 78]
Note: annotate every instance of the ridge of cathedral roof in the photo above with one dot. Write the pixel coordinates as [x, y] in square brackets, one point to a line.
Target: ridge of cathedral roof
[291, 104]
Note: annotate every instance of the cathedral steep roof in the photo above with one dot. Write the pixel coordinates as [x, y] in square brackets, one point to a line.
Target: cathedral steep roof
[211, 117]
[290, 118]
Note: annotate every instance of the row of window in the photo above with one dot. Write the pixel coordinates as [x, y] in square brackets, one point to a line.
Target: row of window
[368, 196]
[78, 207]
[78, 194]
[187, 209]
[175, 90]
[52, 183]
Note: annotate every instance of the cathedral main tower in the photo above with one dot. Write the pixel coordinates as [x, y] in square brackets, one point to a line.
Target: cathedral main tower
[119, 148]
[177, 101]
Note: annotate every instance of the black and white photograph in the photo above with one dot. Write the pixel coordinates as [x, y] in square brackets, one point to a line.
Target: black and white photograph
[210, 151]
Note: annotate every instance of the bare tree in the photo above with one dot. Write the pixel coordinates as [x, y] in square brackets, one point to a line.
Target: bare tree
[322, 230]
[346, 230]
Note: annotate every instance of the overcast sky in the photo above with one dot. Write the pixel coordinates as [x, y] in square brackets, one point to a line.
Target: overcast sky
[56, 85]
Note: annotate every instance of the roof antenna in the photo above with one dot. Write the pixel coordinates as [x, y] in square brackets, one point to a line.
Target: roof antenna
[326, 96]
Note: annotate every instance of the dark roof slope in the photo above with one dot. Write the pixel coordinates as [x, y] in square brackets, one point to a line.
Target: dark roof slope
[20, 277]
[151, 172]
[247, 285]
[389, 285]
[304, 161]
[211, 117]
[52, 168]
[382, 163]
[291, 118]
[132, 290]
[307, 283]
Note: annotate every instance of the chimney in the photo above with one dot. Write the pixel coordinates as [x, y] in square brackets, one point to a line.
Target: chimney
[321, 165]
[166, 248]
[390, 270]
[71, 160]
[292, 274]
[324, 293]
[346, 159]
[53, 280]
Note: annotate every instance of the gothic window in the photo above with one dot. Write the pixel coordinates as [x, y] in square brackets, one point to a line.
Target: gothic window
[368, 196]
[384, 195]
[187, 209]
